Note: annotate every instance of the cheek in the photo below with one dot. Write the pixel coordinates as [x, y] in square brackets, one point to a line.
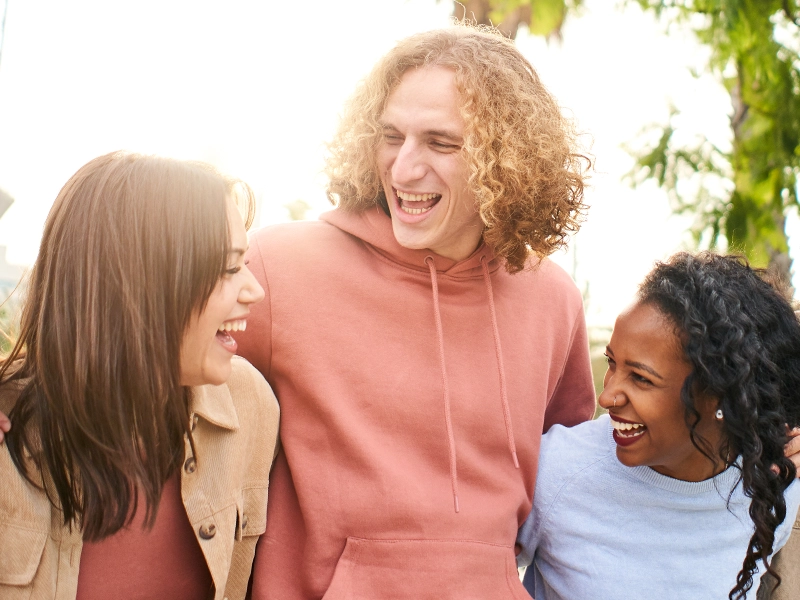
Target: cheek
[384, 158]
[671, 417]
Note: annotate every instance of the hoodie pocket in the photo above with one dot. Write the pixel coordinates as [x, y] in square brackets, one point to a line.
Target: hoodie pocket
[422, 569]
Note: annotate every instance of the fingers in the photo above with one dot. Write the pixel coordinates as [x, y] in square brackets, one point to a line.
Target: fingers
[793, 446]
[5, 425]
[792, 449]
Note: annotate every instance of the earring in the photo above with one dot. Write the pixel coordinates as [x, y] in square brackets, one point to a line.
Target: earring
[718, 414]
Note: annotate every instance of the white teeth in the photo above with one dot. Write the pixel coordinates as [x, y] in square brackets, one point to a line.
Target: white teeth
[238, 325]
[619, 426]
[415, 211]
[624, 429]
[416, 197]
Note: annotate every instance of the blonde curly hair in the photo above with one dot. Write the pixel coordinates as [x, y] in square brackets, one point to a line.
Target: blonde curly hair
[525, 173]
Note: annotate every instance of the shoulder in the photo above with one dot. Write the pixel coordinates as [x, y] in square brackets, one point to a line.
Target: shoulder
[294, 252]
[546, 283]
[296, 233]
[249, 390]
[9, 394]
[570, 454]
[576, 446]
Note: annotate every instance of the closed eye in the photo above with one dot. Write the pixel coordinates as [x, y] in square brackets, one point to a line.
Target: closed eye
[442, 147]
[640, 379]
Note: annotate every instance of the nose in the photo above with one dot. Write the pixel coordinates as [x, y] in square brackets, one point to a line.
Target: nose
[409, 164]
[251, 291]
[611, 397]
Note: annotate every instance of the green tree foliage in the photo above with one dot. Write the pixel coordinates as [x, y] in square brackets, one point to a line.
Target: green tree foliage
[742, 193]
[543, 17]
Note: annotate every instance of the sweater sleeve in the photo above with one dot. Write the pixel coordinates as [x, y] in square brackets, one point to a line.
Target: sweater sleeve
[573, 400]
[548, 481]
[255, 343]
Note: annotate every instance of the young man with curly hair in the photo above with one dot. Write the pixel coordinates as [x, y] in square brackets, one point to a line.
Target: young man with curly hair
[417, 337]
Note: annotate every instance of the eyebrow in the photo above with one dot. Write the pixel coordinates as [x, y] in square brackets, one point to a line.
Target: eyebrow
[442, 133]
[636, 365]
[643, 367]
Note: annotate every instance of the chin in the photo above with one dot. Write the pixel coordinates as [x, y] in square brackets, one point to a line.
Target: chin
[627, 460]
[217, 375]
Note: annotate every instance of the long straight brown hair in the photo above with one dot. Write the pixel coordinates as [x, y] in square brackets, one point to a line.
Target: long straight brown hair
[132, 247]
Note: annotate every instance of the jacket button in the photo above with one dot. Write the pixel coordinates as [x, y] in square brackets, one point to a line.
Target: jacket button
[207, 531]
[244, 521]
[190, 466]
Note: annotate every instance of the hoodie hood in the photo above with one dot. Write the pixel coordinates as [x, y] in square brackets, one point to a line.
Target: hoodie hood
[374, 227]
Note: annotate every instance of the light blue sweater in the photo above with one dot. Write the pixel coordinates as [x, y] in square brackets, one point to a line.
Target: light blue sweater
[599, 529]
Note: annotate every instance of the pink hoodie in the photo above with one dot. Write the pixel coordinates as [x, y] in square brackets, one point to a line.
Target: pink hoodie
[414, 390]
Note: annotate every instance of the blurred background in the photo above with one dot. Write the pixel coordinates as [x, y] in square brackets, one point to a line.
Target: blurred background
[693, 116]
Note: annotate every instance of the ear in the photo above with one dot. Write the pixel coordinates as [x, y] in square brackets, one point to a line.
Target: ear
[710, 408]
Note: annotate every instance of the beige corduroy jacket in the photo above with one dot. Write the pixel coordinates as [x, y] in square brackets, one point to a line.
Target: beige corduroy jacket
[224, 488]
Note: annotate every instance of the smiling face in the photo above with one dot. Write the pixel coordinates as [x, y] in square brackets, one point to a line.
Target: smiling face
[207, 347]
[646, 370]
[422, 168]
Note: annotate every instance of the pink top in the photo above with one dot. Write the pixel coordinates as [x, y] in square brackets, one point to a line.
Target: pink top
[165, 562]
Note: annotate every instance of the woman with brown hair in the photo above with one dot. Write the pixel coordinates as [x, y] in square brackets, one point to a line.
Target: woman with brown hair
[137, 462]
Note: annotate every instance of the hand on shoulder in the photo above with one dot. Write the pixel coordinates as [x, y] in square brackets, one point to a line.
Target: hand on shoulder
[5, 426]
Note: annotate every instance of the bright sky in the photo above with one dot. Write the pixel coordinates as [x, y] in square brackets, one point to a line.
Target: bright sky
[257, 89]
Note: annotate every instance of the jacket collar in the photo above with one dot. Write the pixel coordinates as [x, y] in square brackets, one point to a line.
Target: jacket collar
[215, 405]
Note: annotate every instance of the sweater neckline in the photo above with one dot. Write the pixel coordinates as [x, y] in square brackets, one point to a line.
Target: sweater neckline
[724, 481]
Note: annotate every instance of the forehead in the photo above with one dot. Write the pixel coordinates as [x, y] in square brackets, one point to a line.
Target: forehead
[425, 95]
[644, 329]
[236, 225]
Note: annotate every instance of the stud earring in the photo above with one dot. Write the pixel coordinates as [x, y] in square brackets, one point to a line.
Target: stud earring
[718, 414]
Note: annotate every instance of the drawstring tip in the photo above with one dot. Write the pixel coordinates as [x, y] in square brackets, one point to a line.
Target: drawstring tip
[455, 500]
[514, 456]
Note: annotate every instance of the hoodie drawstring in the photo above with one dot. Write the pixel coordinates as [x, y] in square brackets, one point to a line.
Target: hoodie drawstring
[503, 395]
[451, 442]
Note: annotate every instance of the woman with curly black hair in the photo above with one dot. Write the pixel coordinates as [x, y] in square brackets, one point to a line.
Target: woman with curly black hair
[683, 488]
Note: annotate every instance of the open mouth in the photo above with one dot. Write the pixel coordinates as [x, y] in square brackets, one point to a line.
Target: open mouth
[416, 204]
[224, 336]
[627, 432]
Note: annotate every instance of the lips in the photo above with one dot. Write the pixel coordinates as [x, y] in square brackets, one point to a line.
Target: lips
[627, 432]
[416, 204]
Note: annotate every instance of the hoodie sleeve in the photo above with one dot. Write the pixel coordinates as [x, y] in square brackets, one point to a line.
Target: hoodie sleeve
[573, 400]
[255, 343]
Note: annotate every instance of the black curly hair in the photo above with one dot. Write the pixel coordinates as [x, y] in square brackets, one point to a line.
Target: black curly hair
[742, 338]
